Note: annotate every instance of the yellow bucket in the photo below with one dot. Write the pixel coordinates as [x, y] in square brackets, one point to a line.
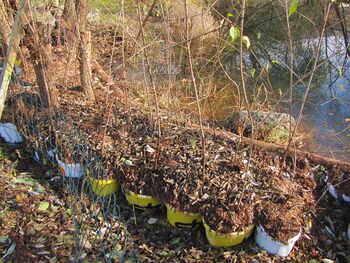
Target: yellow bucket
[141, 202]
[103, 187]
[182, 219]
[227, 240]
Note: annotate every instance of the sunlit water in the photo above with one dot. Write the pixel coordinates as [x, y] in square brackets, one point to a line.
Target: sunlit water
[327, 111]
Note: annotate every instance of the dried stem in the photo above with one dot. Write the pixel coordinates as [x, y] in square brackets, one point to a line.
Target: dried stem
[314, 67]
[188, 46]
[152, 83]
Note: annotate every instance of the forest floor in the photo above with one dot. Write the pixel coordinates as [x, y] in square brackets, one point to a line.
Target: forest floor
[37, 224]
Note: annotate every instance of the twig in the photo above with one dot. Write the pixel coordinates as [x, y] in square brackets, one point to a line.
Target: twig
[188, 45]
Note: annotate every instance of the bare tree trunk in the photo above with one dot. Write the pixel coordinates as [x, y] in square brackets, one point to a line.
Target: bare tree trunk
[69, 22]
[13, 46]
[84, 50]
[5, 24]
[85, 64]
[40, 51]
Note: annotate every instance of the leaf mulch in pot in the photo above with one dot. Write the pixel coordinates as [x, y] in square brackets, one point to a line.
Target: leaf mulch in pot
[282, 209]
[230, 204]
[282, 221]
[179, 179]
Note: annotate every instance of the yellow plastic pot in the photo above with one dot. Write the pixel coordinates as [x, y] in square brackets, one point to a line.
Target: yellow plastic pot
[227, 240]
[141, 202]
[103, 187]
[182, 219]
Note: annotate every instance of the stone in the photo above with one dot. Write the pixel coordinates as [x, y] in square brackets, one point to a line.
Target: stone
[268, 126]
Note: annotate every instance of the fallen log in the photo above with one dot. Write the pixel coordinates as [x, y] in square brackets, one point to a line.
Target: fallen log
[312, 157]
[107, 79]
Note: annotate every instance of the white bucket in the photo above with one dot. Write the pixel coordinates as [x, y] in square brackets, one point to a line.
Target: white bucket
[272, 246]
[51, 155]
[332, 190]
[73, 170]
[346, 198]
[9, 133]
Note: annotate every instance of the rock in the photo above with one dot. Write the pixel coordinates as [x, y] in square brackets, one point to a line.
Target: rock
[268, 126]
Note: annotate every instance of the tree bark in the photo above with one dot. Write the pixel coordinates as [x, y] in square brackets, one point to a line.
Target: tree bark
[39, 46]
[84, 50]
[5, 24]
[85, 64]
[41, 61]
[13, 46]
[68, 24]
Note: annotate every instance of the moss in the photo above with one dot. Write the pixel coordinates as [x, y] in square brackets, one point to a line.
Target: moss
[278, 134]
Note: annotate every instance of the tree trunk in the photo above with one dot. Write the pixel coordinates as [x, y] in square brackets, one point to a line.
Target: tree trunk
[85, 64]
[69, 23]
[84, 55]
[40, 58]
[5, 24]
[13, 46]
[39, 46]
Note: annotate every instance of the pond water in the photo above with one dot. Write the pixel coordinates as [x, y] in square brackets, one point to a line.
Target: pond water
[325, 122]
[327, 111]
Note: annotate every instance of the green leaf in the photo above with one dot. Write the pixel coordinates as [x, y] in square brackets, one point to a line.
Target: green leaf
[28, 181]
[246, 41]
[258, 36]
[275, 62]
[40, 189]
[3, 239]
[43, 206]
[340, 71]
[235, 33]
[252, 72]
[163, 253]
[294, 7]
[193, 143]
[69, 212]
[229, 15]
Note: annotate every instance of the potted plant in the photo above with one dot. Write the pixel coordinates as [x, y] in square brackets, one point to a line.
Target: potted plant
[102, 180]
[137, 184]
[227, 224]
[279, 227]
[181, 195]
[137, 166]
[228, 213]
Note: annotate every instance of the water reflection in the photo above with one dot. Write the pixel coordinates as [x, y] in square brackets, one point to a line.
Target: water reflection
[327, 112]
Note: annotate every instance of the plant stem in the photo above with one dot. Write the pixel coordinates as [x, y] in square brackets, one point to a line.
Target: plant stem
[188, 46]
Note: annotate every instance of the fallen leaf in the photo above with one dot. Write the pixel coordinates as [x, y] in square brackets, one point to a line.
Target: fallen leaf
[3, 239]
[43, 206]
[152, 220]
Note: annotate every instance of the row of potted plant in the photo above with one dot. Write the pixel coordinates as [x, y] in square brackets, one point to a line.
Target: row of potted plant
[190, 197]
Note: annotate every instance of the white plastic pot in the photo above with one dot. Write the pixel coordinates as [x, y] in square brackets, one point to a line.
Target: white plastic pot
[73, 170]
[272, 246]
[346, 198]
[51, 154]
[332, 190]
[9, 133]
